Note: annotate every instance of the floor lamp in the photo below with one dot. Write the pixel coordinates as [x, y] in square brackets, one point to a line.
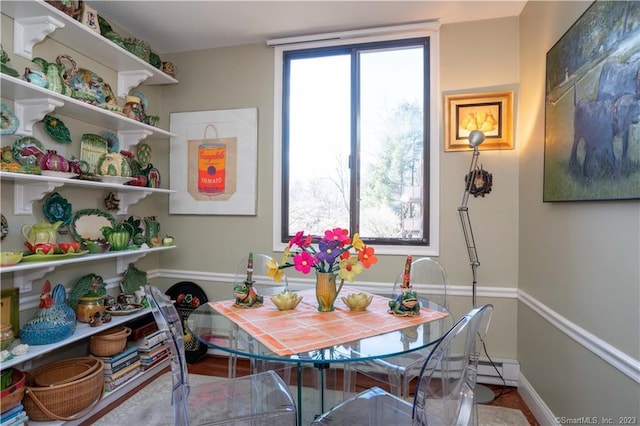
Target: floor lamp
[484, 395]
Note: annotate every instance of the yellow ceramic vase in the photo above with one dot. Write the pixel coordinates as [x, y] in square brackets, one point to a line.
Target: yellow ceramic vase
[326, 291]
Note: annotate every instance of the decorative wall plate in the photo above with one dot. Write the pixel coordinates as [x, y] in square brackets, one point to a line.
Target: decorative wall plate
[143, 152]
[8, 121]
[143, 99]
[86, 224]
[56, 129]
[113, 142]
[92, 147]
[57, 208]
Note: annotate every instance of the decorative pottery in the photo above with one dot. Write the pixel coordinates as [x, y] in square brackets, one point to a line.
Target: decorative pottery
[54, 162]
[5, 68]
[246, 295]
[41, 232]
[99, 246]
[35, 77]
[56, 129]
[133, 109]
[8, 258]
[286, 300]
[53, 72]
[152, 230]
[88, 306]
[87, 284]
[6, 336]
[9, 122]
[357, 301]
[40, 249]
[57, 208]
[69, 247]
[113, 164]
[52, 321]
[326, 291]
[118, 235]
[27, 150]
[87, 224]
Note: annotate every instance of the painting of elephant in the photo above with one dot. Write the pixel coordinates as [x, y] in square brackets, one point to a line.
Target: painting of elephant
[592, 107]
[596, 125]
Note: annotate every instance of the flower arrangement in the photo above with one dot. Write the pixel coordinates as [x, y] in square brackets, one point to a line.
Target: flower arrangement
[332, 255]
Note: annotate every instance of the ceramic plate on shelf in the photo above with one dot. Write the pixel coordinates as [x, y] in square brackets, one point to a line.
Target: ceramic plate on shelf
[143, 152]
[9, 123]
[92, 147]
[57, 208]
[115, 179]
[30, 257]
[56, 129]
[113, 142]
[86, 224]
[120, 309]
[54, 173]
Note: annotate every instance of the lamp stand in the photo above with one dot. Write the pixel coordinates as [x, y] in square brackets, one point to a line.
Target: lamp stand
[483, 395]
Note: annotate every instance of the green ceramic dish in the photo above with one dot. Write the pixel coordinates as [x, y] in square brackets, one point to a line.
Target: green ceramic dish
[86, 224]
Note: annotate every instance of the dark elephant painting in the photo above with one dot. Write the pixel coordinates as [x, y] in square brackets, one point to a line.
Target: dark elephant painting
[592, 107]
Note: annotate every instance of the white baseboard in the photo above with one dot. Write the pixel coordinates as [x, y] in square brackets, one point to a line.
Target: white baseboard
[538, 408]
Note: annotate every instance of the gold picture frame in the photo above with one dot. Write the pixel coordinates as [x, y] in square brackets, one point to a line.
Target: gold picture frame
[9, 309]
[490, 112]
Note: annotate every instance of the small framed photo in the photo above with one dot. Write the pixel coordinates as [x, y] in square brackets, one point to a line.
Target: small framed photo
[9, 309]
[489, 112]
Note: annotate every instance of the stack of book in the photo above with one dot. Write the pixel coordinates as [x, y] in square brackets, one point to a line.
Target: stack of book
[120, 367]
[14, 416]
[152, 349]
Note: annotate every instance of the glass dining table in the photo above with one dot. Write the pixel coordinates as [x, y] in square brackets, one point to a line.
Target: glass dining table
[318, 346]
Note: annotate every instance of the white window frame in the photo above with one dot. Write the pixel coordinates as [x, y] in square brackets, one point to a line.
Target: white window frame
[426, 29]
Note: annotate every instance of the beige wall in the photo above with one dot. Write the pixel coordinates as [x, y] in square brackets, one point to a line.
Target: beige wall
[579, 260]
[241, 77]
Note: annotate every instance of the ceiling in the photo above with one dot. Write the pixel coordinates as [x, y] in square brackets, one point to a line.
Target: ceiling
[178, 26]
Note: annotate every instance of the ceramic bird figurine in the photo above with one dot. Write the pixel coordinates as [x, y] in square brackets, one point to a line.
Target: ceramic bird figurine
[51, 323]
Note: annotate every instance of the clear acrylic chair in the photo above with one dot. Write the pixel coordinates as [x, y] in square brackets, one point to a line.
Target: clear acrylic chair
[257, 399]
[265, 286]
[445, 390]
[400, 370]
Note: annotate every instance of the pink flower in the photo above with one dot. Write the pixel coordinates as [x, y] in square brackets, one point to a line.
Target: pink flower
[303, 262]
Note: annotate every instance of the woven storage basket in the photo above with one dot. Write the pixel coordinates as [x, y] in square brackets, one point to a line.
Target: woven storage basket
[109, 342]
[72, 397]
[11, 396]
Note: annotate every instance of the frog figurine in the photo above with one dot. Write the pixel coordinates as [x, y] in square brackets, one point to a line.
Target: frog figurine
[406, 304]
[246, 295]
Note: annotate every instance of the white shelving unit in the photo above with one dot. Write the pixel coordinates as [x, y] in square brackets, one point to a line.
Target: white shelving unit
[34, 21]
[29, 188]
[82, 332]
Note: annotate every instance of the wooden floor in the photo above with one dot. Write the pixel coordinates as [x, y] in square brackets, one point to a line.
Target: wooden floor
[217, 366]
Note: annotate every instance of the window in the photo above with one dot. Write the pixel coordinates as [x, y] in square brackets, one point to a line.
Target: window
[356, 140]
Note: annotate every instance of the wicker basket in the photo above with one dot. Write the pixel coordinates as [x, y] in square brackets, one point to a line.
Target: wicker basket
[72, 397]
[11, 396]
[109, 342]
